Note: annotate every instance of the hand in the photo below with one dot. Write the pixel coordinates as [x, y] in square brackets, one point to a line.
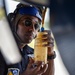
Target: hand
[35, 68]
[50, 42]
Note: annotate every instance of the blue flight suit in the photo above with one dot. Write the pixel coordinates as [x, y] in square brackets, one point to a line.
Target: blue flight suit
[21, 65]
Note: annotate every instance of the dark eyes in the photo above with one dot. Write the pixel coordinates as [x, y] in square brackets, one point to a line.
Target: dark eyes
[28, 23]
[37, 26]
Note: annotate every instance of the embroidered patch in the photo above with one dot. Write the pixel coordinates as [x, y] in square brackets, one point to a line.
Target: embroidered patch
[13, 71]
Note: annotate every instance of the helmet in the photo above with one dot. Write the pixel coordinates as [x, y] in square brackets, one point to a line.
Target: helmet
[21, 10]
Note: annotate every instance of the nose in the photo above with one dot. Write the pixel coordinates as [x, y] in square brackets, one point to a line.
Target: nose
[32, 28]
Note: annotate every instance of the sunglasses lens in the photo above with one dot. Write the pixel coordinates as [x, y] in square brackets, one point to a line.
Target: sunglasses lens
[28, 23]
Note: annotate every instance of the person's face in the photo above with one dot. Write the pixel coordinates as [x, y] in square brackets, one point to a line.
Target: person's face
[28, 27]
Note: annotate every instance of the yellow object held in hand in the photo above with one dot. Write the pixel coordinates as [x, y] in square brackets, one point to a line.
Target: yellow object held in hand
[40, 52]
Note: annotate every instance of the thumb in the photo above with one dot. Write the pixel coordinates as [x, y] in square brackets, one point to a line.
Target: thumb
[30, 62]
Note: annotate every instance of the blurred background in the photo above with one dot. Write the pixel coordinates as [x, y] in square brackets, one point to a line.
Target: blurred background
[62, 19]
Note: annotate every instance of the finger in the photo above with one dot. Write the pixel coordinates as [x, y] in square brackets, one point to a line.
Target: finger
[43, 69]
[48, 31]
[47, 37]
[39, 65]
[48, 40]
[48, 44]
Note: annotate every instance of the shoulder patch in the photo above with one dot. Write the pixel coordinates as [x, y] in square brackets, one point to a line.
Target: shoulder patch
[13, 71]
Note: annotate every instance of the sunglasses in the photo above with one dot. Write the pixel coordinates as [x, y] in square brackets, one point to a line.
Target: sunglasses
[28, 23]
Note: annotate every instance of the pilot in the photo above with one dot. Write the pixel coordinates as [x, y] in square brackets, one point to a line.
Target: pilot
[25, 23]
